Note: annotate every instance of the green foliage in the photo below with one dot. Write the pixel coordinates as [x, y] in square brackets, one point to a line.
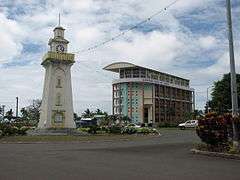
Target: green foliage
[109, 120]
[125, 119]
[12, 129]
[193, 115]
[221, 94]
[84, 129]
[115, 129]
[90, 130]
[31, 114]
[93, 130]
[128, 130]
[147, 130]
[9, 115]
[167, 125]
[87, 113]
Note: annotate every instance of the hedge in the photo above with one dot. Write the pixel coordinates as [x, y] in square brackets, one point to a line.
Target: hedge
[215, 130]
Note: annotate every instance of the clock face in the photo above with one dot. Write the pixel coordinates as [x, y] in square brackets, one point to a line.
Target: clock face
[60, 48]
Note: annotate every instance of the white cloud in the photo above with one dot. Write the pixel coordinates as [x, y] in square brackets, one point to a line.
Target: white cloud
[172, 47]
[207, 42]
[11, 35]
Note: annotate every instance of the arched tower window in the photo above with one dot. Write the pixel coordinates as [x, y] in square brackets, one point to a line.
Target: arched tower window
[59, 82]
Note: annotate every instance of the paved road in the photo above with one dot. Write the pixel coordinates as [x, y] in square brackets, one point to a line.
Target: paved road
[165, 157]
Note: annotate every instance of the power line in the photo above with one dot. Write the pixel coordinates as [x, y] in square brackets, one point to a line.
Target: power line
[125, 31]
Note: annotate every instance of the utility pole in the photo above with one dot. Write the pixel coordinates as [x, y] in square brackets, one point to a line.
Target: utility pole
[207, 102]
[3, 110]
[233, 77]
[16, 107]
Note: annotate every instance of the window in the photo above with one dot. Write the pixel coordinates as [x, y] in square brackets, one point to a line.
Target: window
[143, 73]
[167, 78]
[121, 73]
[135, 73]
[58, 118]
[58, 99]
[128, 73]
[59, 85]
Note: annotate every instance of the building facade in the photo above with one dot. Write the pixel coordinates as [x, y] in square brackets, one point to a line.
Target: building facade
[150, 96]
[56, 109]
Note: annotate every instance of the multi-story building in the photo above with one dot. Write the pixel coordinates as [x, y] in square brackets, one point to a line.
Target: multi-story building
[149, 96]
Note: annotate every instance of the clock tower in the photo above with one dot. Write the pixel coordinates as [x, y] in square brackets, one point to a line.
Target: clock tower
[56, 110]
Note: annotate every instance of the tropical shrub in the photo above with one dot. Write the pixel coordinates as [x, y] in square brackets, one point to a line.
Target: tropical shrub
[213, 129]
[146, 130]
[85, 129]
[93, 130]
[11, 129]
[115, 129]
[129, 130]
[22, 130]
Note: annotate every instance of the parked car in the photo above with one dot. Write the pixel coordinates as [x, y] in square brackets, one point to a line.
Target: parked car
[133, 125]
[188, 124]
[86, 122]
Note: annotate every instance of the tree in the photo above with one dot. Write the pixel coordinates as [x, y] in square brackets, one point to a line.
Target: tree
[221, 94]
[31, 114]
[125, 119]
[193, 115]
[87, 113]
[9, 115]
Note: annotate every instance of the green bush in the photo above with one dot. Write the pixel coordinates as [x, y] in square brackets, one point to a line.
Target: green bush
[93, 130]
[115, 129]
[90, 129]
[129, 130]
[146, 130]
[167, 125]
[22, 130]
[84, 129]
[11, 129]
[104, 129]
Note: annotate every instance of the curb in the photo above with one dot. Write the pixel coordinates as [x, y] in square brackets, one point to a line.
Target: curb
[216, 154]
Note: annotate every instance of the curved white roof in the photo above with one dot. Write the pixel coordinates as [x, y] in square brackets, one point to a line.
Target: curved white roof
[115, 67]
[119, 65]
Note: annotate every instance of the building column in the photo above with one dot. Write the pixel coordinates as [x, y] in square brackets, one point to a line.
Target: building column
[130, 88]
[193, 101]
[113, 99]
[142, 102]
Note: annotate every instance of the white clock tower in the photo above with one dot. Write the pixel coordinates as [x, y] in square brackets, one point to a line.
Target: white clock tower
[57, 106]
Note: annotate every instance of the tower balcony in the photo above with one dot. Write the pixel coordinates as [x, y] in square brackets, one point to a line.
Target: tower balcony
[56, 56]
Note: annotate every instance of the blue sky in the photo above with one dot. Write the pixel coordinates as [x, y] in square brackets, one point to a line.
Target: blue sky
[189, 40]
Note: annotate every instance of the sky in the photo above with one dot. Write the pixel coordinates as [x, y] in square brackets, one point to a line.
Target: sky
[188, 40]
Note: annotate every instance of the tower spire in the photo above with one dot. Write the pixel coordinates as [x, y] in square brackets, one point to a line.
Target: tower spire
[59, 19]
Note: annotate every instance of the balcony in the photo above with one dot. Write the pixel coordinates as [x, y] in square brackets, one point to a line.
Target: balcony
[153, 81]
[55, 56]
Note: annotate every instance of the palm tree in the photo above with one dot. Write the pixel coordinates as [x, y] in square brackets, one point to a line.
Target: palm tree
[87, 113]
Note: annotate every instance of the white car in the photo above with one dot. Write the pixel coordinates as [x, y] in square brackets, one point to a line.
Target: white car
[133, 125]
[188, 124]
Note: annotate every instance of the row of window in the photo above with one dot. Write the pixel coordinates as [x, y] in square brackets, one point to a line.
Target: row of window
[143, 73]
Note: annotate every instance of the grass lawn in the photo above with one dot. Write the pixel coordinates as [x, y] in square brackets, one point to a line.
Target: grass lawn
[98, 137]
